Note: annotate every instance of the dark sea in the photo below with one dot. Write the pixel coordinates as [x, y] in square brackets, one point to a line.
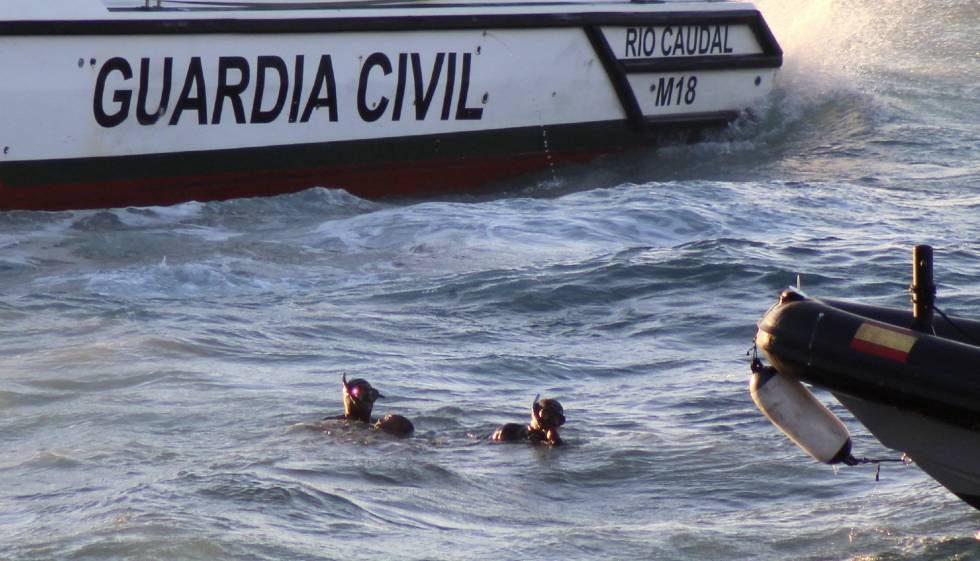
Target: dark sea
[164, 371]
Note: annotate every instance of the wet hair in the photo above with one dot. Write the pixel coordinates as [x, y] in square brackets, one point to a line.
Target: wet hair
[395, 425]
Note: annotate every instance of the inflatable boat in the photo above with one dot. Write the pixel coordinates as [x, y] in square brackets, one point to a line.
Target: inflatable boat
[148, 102]
[911, 378]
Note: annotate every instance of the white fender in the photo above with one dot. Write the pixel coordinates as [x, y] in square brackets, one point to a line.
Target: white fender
[801, 417]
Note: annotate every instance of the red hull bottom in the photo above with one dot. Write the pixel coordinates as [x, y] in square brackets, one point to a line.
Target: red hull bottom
[372, 182]
[396, 167]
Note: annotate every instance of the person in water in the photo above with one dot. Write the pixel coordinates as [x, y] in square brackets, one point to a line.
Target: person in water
[359, 398]
[546, 416]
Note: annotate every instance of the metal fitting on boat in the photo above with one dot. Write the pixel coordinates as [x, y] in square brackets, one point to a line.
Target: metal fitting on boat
[791, 295]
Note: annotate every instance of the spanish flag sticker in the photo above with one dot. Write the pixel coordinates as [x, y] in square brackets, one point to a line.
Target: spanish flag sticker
[884, 341]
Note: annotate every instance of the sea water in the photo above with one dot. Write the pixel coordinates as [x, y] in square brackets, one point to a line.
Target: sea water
[163, 371]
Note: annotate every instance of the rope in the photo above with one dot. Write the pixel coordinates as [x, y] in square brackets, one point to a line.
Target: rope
[852, 461]
[962, 332]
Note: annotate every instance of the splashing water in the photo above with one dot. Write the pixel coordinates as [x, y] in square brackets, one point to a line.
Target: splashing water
[834, 44]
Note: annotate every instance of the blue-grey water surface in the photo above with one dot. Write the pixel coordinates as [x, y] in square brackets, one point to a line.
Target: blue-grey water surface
[163, 370]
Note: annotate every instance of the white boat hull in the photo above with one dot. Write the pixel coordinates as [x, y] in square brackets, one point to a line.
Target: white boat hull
[948, 453]
[157, 106]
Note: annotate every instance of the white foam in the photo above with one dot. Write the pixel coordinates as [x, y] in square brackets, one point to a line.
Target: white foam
[191, 279]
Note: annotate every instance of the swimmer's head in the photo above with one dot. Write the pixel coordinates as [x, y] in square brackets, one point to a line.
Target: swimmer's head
[547, 415]
[359, 398]
[395, 425]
